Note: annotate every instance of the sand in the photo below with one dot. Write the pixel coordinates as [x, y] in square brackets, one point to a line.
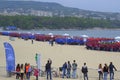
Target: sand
[25, 52]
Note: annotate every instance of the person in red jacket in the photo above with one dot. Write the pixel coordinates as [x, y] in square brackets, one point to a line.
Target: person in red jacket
[36, 73]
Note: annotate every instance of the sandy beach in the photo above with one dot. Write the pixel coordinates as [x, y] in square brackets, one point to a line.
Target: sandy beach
[25, 52]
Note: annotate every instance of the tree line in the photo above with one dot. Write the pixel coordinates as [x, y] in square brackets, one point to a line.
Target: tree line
[37, 22]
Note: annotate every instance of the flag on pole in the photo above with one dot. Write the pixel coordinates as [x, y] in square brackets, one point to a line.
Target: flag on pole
[10, 57]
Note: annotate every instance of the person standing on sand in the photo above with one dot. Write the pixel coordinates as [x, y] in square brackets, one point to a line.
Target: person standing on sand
[25, 71]
[51, 41]
[48, 69]
[32, 41]
[22, 71]
[100, 71]
[28, 71]
[36, 58]
[74, 69]
[111, 70]
[68, 70]
[85, 71]
[105, 72]
[17, 71]
[64, 68]
[36, 73]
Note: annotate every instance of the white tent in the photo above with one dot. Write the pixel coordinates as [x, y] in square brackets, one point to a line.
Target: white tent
[66, 34]
[118, 37]
[51, 34]
[84, 36]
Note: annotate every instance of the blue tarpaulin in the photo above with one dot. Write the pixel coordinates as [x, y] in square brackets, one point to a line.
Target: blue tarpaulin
[6, 33]
[11, 28]
[10, 57]
[27, 36]
[70, 41]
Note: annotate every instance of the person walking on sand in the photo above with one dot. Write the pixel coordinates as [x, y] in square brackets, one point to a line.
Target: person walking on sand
[100, 71]
[105, 72]
[74, 69]
[85, 71]
[48, 69]
[111, 70]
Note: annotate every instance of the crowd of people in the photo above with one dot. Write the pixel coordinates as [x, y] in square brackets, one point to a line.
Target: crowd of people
[67, 67]
[105, 70]
[23, 72]
[69, 70]
[102, 71]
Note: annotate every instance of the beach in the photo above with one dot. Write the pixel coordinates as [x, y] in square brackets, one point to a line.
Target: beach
[25, 52]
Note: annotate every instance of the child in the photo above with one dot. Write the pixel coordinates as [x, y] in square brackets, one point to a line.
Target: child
[36, 73]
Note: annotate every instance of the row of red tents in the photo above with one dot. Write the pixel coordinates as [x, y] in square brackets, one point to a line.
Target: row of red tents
[60, 39]
[105, 44]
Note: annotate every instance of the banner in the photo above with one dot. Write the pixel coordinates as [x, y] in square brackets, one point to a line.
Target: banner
[39, 61]
[10, 57]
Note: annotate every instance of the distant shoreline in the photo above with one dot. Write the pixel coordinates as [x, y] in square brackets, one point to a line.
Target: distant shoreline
[62, 29]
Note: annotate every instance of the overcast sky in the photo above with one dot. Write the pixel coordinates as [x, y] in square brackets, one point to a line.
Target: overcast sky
[95, 5]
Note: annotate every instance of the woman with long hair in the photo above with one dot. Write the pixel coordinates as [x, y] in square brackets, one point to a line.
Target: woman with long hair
[22, 71]
[105, 71]
[17, 71]
[100, 71]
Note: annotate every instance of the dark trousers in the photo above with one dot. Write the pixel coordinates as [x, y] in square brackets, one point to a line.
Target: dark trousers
[100, 75]
[22, 74]
[28, 75]
[85, 75]
[17, 75]
[49, 75]
[36, 77]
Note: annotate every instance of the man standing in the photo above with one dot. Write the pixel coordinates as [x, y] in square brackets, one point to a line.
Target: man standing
[64, 68]
[85, 71]
[74, 69]
[68, 69]
[48, 69]
[111, 70]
